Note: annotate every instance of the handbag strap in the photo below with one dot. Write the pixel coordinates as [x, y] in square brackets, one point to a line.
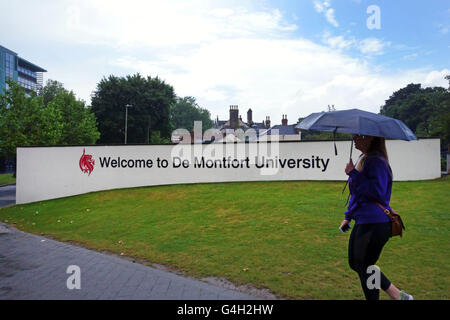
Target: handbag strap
[392, 216]
[384, 209]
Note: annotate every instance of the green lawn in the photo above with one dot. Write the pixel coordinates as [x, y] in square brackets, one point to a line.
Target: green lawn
[7, 178]
[278, 235]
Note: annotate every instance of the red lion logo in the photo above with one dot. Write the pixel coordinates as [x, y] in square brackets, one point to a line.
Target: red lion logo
[86, 163]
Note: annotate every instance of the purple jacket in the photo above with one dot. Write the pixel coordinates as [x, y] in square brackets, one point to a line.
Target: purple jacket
[374, 182]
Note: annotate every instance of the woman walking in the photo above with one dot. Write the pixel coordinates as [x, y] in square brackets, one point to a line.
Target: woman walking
[370, 182]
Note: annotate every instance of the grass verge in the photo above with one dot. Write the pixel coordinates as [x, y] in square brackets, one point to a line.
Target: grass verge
[7, 178]
[282, 236]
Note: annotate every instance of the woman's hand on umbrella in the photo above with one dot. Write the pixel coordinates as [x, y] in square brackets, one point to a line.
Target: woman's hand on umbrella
[350, 166]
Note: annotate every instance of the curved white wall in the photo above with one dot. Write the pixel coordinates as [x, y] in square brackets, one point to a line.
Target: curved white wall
[53, 172]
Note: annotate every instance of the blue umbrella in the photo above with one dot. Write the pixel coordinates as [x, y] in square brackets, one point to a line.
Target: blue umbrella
[357, 121]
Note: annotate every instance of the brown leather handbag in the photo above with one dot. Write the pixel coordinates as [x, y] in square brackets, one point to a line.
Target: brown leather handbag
[397, 223]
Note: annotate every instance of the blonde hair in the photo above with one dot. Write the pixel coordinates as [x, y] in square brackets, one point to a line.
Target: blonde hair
[360, 163]
[378, 145]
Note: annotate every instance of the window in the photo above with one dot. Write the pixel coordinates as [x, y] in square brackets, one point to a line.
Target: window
[9, 66]
[26, 71]
[26, 83]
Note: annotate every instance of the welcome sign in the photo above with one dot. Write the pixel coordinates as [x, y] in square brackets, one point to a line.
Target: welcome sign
[226, 163]
[52, 172]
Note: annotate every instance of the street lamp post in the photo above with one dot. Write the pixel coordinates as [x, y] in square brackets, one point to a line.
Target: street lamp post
[126, 120]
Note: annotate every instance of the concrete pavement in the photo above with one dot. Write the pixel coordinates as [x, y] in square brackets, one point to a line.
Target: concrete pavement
[35, 267]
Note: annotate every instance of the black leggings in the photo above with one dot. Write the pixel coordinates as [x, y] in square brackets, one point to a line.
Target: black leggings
[364, 249]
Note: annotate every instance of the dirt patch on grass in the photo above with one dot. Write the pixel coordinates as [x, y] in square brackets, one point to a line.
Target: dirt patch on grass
[246, 288]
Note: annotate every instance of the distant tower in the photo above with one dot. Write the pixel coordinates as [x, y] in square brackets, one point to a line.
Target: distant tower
[284, 121]
[39, 80]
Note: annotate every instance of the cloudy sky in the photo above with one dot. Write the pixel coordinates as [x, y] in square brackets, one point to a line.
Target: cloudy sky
[277, 57]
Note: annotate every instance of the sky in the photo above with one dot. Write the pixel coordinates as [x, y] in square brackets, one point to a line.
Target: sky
[275, 57]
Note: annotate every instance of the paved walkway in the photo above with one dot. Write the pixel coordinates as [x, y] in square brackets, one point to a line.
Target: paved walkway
[7, 195]
[34, 267]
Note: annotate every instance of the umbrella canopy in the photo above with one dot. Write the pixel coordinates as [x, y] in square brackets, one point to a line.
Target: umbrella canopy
[356, 121]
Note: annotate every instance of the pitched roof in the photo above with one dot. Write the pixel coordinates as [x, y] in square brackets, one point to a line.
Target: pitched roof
[258, 125]
[284, 130]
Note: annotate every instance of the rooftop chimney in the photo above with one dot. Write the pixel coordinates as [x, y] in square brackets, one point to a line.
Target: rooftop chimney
[234, 116]
[267, 122]
[249, 117]
[284, 121]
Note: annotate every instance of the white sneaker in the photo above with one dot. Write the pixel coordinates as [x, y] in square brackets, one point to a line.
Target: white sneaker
[405, 296]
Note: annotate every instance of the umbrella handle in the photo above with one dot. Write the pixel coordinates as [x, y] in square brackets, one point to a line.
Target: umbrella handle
[334, 140]
[351, 149]
[346, 182]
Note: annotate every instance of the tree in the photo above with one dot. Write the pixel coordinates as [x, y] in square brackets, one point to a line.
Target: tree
[51, 89]
[391, 104]
[421, 109]
[426, 111]
[150, 99]
[54, 117]
[185, 111]
[78, 122]
[25, 121]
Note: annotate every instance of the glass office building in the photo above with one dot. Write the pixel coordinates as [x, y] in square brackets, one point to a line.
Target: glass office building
[25, 73]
